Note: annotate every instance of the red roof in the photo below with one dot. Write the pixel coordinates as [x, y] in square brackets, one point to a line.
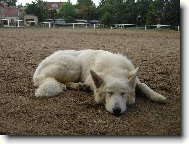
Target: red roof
[54, 5]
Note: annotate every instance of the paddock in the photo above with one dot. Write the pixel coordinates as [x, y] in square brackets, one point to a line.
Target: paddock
[157, 53]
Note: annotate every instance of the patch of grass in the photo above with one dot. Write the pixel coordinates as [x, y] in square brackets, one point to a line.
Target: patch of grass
[1, 25]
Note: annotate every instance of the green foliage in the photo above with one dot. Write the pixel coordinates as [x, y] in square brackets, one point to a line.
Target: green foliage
[1, 25]
[106, 19]
[39, 9]
[140, 12]
[67, 12]
[90, 13]
[86, 10]
[172, 12]
[85, 2]
[70, 19]
[155, 14]
[10, 2]
[101, 3]
[53, 14]
[121, 12]
[142, 9]
[164, 12]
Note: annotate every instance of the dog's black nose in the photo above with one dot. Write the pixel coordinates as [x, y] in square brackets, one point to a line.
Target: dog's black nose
[116, 110]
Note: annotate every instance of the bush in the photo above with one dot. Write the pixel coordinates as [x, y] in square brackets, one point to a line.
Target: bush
[1, 25]
[106, 19]
[69, 19]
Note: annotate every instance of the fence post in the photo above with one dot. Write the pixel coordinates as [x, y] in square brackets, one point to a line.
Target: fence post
[73, 25]
[178, 28]
[94, 26]
[145, 27]
[18, 23]
[8, 22]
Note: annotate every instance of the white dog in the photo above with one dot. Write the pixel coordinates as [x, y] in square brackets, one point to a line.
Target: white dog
[112, 77]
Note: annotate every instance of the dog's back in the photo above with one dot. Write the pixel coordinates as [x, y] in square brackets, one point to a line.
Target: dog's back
[100, 61]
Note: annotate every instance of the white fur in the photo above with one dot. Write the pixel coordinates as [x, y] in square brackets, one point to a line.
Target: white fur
[112, 77]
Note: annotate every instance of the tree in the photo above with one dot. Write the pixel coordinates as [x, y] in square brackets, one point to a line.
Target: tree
[90, 13]
[164, 12]
[106, 19]
[39, 9]
[172, 12]
[101, 3]
[140, 12]
[142, 8]
[67, 11]
[53, 14]
[86, 10]
[121, 12]
[127, 12]
[107, 11]
[85, 2]
[156, 12]
[151, 16]
[10, 2]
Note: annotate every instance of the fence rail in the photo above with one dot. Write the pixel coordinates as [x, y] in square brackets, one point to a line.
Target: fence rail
[89, 25]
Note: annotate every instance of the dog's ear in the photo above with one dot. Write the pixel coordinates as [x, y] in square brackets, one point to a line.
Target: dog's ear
[98, 81]
[132, 77]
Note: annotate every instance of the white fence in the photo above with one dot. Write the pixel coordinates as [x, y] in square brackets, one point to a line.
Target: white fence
[161, 26]
[158, 26]
[73, 25]
[8, 23]
[86, 25]
[94, 26]
[113, 26]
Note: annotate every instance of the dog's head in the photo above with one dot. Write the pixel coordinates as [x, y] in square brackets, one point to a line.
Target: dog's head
[114, 92]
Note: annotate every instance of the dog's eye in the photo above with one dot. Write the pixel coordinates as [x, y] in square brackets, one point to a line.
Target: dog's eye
[110, 93]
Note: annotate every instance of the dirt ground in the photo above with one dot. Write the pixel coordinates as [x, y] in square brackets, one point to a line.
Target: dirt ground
[157, 53]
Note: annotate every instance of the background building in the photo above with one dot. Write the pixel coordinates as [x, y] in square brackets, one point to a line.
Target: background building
[54, 6]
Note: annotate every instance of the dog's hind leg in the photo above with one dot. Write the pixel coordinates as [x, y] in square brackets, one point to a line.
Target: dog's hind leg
[148, 92]
[49, 87]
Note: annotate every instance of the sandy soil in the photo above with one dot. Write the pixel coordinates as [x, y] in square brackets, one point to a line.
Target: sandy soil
[157, 53]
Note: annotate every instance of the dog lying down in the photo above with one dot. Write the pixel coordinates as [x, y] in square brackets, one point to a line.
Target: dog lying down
[112, 77]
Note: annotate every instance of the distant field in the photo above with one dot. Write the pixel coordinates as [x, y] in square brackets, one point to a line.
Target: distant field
[157, 53]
